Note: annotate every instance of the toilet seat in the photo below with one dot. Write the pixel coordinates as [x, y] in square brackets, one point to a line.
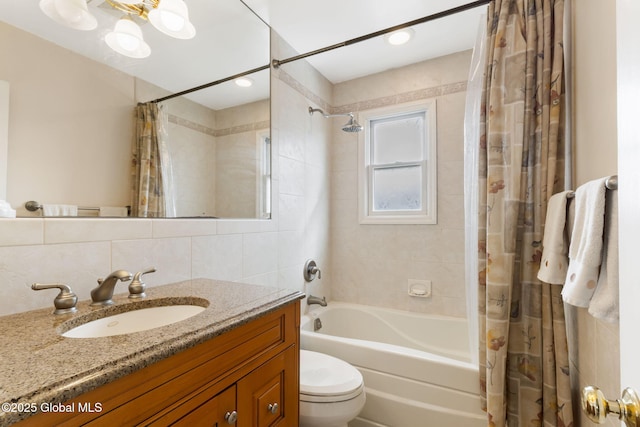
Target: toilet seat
[324, 378]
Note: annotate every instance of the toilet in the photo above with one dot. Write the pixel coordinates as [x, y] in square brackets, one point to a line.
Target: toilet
[331, 391]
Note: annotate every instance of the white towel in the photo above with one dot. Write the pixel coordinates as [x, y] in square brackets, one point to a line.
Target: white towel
[59, 210]
[585, 250]
[604, 304]
[555, 243]
[116, 211]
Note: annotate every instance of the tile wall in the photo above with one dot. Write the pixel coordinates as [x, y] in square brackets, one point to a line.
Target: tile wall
[372, 263]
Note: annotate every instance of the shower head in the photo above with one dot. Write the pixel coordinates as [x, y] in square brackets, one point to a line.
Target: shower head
[350, 126]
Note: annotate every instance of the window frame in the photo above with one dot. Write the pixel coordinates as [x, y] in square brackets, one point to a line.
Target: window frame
[428, 164]
[264, 174]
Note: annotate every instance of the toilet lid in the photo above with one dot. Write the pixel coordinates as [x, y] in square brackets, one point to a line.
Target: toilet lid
[324, 375]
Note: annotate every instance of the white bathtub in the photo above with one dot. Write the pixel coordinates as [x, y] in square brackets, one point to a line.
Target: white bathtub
[416, 368]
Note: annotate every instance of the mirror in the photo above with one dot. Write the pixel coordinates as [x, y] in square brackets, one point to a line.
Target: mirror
[72, 119]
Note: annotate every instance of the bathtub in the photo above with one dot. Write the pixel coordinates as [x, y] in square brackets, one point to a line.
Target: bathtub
[417, 368]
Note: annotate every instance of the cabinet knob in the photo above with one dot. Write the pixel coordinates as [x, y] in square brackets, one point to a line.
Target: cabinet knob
[273, 408]
[597, 407]
[231, 417]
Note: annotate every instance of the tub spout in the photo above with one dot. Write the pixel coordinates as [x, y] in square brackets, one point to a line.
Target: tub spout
[316, 300]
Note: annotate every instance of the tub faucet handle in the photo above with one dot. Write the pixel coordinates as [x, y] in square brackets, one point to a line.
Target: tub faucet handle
[137, 286]
[65, 301]
[310, 270]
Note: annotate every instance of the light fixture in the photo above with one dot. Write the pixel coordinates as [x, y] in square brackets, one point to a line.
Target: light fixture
[126, 39]
[170, 17]
[243, 81]
[400, 36]
[70, 13]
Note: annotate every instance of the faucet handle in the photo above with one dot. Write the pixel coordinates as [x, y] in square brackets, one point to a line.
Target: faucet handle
[65, 301]
[137, 286]
[310, 270]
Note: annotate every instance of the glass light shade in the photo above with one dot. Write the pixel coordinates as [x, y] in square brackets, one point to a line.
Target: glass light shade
[400, 37]
[126, 39]
[70, 13]
[172, 18]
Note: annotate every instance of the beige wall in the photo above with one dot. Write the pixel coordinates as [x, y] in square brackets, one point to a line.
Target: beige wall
[594, 344]
[373, 263]
[64, 145]
[594, 74]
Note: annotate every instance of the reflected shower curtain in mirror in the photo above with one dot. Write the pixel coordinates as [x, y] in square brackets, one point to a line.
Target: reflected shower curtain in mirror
[152, 191]
[524, 368]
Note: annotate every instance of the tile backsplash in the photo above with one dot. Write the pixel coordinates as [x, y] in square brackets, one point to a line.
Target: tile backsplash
[79, 251]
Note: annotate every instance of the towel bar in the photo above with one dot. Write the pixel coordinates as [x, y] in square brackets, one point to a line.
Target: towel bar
[33, 206]
[611, 183]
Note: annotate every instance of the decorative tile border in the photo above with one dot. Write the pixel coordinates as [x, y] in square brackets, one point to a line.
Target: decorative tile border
[294, 84]
[402, 98]
[191, 125]
[243, 128]
[217, 132]
[368, 104]
[426, 93]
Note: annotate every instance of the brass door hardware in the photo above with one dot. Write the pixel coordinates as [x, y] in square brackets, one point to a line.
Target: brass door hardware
[597, 407]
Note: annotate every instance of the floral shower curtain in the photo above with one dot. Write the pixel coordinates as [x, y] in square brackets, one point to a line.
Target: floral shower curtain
[524, 369]
[151, 168]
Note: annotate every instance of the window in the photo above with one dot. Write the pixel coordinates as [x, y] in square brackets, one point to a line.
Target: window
[397, 167]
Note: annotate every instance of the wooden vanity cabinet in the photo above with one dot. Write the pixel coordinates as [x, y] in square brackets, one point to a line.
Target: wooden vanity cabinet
[247, 377]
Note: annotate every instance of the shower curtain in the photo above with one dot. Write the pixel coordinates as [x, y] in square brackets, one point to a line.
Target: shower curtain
[152, 191]
[524, 370]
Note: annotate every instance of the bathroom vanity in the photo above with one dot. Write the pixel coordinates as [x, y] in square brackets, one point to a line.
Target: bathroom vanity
[235, 363]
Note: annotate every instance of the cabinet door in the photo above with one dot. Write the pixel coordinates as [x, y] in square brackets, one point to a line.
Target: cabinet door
[268, 396]
[216, 411]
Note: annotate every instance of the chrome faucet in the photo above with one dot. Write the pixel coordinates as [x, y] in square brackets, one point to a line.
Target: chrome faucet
[316, 300]
[104, 292]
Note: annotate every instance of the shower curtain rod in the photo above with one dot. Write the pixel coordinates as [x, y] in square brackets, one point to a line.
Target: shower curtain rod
[207, 85]
[276, 63]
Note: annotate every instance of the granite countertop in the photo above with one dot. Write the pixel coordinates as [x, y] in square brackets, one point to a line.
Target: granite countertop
[40, 366]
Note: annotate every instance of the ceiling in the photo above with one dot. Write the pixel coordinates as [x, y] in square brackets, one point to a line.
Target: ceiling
[229, 40]
[309, 25]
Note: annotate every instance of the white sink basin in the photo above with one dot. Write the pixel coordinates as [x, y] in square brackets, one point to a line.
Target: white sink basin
[134, 321]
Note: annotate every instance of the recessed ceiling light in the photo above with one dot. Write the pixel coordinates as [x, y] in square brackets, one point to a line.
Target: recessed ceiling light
[400, 36]
[244, 81]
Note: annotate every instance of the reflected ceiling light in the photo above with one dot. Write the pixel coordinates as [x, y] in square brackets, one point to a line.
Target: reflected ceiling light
[244, 81]
[171, 17]
[400, 36]
[126, 39]
[70, 13]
